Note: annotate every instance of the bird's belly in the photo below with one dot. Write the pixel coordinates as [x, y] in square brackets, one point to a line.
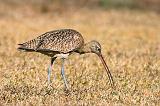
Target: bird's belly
[62, 55]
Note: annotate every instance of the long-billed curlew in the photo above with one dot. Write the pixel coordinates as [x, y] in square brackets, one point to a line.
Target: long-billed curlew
[61, 43]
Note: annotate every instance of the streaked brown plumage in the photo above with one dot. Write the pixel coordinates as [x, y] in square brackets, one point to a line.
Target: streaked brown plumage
[61, 42]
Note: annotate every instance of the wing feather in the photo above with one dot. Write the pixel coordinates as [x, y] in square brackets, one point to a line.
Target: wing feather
[64, 40]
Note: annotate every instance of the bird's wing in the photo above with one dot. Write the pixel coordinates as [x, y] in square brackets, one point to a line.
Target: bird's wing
[61, 40]
[64, 41]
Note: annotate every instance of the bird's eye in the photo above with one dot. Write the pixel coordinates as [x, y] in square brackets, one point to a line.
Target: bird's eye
[98, 49]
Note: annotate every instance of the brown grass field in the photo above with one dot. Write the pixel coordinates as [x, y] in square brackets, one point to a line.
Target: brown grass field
[130, 42]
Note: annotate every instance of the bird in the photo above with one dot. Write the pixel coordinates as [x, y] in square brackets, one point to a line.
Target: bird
[62, 43]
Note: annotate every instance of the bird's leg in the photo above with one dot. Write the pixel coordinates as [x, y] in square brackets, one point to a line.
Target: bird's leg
[63, 74]
[50, 69]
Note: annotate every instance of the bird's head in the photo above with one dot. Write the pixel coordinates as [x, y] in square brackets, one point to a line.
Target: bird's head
[95, 47]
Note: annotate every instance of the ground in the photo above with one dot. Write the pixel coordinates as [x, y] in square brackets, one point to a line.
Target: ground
[130, 42]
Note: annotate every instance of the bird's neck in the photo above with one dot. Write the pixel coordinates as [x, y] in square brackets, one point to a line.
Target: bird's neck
[85, 49]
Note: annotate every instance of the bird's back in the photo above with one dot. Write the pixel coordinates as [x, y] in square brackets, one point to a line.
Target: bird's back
[63, 41]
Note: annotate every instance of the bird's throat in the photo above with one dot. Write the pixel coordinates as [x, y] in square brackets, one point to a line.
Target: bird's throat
[84, 49]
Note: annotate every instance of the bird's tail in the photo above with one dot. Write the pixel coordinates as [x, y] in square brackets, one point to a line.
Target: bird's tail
[23, 47]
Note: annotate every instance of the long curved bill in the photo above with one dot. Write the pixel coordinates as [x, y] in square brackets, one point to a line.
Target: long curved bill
[107, 70]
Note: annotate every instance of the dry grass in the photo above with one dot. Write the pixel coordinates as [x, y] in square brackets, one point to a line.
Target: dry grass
[131, 47]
